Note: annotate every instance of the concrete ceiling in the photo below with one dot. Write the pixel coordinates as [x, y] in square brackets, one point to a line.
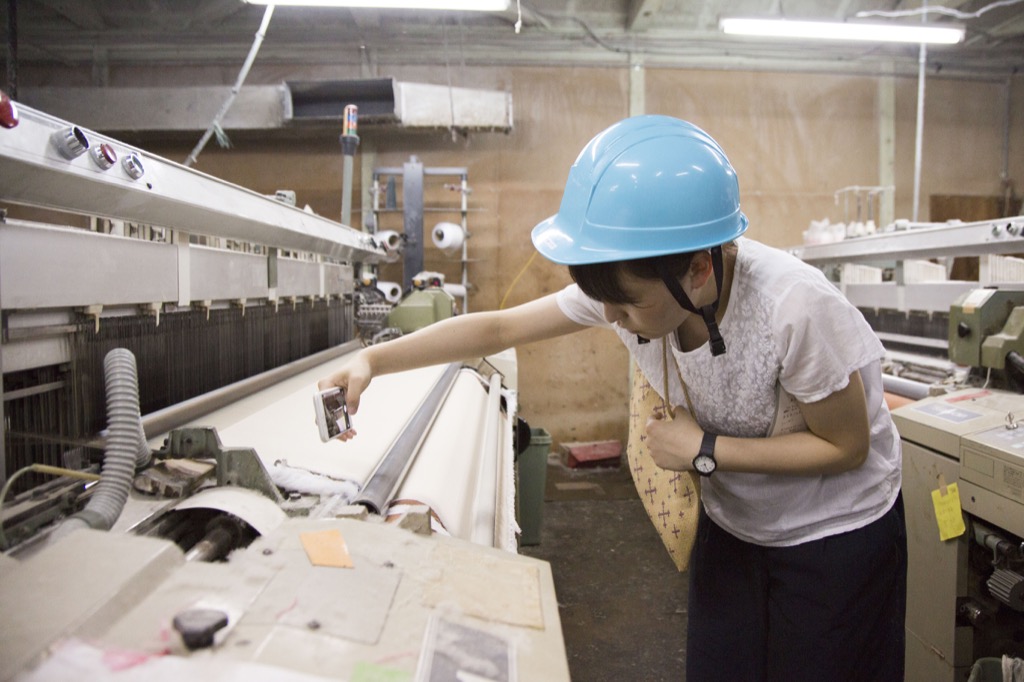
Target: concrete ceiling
[101, 36]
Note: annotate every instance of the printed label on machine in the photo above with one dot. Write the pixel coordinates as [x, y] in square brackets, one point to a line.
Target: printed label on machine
[947, 412]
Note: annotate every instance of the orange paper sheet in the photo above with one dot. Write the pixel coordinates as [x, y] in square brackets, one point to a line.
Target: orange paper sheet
[326, 548]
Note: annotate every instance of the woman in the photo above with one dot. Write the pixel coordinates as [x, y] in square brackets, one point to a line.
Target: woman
[799, 568]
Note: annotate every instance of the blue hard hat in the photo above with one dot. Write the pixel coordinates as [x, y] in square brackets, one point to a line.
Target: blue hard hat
[646, 186]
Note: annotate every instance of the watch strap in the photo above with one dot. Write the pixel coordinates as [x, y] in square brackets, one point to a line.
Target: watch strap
[707, 451]
[707, 444]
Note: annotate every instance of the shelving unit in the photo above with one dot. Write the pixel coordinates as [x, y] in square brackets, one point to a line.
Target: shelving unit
[412, 174]
[918, 241]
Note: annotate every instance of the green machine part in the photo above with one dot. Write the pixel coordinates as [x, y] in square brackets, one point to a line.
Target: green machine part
[973, 318]
[421, 308]
[996, 347]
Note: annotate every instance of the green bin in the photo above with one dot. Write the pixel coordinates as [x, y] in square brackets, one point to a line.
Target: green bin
[987, 670]
[531, 472]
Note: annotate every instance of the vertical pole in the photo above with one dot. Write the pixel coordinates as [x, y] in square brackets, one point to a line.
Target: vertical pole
[349, 144]
[637, 86]
[412, 214]
[368, 159]
[346, 191]
[887, 148]
[464, 209]
[1004, 174]
[922, 61]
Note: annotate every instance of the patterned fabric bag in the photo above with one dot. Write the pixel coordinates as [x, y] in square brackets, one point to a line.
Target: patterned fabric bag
[671, 498]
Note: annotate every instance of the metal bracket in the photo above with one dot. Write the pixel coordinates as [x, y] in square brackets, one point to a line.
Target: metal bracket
[240, 467]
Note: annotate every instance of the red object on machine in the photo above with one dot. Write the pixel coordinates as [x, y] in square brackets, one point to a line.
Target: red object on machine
[602, 453]
[8, 111]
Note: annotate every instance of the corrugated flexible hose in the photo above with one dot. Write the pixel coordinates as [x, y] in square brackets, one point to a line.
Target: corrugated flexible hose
[126, 447]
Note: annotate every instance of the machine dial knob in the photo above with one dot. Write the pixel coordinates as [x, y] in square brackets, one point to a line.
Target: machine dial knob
[198, 626]
[104, 156]
[71, 142]
[132, 164]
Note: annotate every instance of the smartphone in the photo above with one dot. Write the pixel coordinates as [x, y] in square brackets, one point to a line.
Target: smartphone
[331, 413]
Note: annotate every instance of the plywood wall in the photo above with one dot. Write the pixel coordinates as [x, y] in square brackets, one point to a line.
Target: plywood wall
[794, 139]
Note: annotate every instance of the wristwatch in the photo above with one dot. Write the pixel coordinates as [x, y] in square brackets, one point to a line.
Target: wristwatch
[704, 463]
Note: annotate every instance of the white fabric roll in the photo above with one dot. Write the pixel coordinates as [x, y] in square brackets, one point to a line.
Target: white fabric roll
[448, 236]
[392, 291]
[456, 290]
[391, 242]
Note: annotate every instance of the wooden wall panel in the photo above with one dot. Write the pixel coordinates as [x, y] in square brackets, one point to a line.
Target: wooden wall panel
[794, 139]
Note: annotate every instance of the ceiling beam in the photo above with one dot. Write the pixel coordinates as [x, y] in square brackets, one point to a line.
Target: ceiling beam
[707, 20]
[81, 14]
[642, 14]
[843, 10]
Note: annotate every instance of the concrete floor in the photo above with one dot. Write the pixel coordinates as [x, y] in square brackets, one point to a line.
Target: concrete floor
[622, 601]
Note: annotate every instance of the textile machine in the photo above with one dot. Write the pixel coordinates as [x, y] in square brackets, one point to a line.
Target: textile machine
[955, 366]
[163, 332]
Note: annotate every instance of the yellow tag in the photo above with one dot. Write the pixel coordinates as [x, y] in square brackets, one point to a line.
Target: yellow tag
[947, 511]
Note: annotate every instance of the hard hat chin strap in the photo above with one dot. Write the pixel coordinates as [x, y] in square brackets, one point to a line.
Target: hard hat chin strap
[707, 312]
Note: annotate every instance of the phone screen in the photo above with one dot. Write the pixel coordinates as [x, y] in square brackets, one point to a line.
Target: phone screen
[335, 412]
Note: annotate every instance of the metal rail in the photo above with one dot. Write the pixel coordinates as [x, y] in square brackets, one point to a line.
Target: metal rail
[382, 484]
[162, 421]
[154, 191]
[487, 478]
[1005, 235]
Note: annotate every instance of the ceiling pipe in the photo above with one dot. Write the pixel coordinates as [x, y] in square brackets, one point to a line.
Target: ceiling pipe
[215, 124]
[922, 60]
[919, 135]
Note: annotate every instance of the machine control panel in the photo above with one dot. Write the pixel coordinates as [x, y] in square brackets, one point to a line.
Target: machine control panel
[994, 459]
[939, 423]
[982, 430]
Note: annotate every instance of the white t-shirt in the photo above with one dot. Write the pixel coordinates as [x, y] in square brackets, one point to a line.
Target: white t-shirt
[786, 325]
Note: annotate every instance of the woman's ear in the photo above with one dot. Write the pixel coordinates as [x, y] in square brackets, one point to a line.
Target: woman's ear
[700, 268]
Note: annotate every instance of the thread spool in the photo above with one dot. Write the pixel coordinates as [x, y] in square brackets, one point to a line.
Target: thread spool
[392, 291]
[455, 290]
[392, 244]
[448, 237]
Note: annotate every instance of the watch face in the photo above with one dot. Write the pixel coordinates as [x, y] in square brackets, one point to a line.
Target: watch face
[704, 464]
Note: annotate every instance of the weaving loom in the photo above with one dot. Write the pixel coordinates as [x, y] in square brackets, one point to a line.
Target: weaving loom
[245, 544]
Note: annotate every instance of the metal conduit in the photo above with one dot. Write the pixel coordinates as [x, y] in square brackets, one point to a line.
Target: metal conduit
[487, 478]
[382, 484]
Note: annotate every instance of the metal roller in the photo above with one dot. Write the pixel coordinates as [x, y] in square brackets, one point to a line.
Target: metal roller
[389, 472]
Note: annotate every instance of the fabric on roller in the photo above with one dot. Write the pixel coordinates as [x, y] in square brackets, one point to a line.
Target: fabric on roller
[278, 423]
[671, 498]
[444, 474]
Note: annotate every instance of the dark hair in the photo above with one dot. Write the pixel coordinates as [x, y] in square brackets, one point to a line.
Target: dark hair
[600, 281]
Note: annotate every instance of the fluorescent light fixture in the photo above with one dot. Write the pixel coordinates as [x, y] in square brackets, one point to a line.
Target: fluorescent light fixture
[841, 30]
[459, 5]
